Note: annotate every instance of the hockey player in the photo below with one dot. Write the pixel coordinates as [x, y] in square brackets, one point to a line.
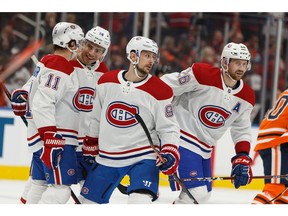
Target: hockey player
[52, 115]
[123, 147]
[272, 146]
[89, 66]
[208, 100]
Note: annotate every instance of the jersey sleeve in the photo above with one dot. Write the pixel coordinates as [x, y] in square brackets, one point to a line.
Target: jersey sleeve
[181, 82]
[166, 124]
[27, 85]
[241, 132]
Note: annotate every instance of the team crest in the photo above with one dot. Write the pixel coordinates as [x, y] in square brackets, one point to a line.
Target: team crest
[71, 172]
[169, 111]
[120, 114]
[83, 99]
[213, 116]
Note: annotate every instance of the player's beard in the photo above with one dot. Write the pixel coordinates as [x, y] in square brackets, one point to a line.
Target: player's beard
[141, 72]
[237, 75]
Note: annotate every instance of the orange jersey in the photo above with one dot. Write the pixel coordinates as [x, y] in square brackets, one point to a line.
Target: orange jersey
[273, 130]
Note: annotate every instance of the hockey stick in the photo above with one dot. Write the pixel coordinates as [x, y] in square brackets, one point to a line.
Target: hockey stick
[231, 178]
[143, 125]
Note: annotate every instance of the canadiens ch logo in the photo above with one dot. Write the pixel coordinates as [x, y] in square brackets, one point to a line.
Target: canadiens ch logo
[213, 116]
[83, 99]
[120, 114]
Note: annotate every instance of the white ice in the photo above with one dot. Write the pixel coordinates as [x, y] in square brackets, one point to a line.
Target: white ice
[222, 202]
[10, 192]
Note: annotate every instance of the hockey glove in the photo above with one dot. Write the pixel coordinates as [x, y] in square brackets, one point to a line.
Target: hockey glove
[171, 156]
[90, 149]
[241, 170]
[19, 101]
[52, 150]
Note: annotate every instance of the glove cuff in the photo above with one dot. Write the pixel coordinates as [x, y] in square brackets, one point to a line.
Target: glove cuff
[53, 140]
[91, 141]
[172, 149]
[90, 146]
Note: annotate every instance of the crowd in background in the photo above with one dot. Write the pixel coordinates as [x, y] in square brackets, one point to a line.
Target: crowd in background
[185, 38]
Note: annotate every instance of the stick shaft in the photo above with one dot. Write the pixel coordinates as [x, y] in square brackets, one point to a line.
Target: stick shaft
[179, 181]
[230, 178]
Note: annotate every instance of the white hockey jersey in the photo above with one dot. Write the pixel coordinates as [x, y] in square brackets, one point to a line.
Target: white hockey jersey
[56, 100]
[88, 78]
[205, 108]
[122, 141]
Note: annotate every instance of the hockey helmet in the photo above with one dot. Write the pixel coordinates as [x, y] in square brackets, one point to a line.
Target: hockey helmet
[101, 37]
[64, 32]
[236, 51]
[138, 44]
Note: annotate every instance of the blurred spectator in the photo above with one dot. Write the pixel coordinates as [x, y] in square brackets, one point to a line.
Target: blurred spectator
[271, 68]
[254, 80]
[168, 52]
[3, 101]
[7, 40]
[253, 46]
[179, 23]
[72, 18]
[17, 80]
[50, 21]
[217, 41]
[117, 61]
[237, 37]
[208, 55]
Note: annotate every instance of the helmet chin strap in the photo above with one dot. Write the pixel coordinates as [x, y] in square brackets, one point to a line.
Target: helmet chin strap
[228, 74]
[74, 52]
[136, 71]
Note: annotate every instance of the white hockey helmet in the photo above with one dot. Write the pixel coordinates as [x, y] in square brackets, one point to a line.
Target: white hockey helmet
[99, 36]
[138, 44]
[64, 32]
[236, 51]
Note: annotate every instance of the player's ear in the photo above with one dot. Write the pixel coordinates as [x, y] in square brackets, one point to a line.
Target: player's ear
[224, 63]
[133, 55]
[72, 45]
